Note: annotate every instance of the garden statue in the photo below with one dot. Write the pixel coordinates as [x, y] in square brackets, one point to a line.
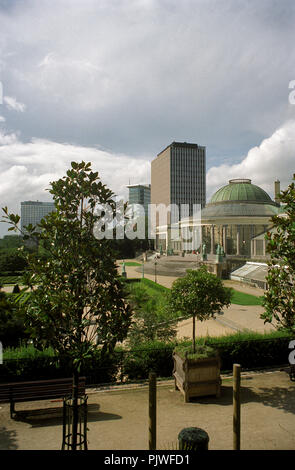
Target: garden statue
[204, 252]
[124, 274]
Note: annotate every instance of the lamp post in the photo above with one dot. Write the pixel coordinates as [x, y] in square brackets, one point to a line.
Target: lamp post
[156, 272]
[142, 275]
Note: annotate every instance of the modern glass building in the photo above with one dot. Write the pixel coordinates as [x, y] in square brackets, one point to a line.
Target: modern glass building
[140, 194]
[33, 211]
[178, 180]
[178, 177]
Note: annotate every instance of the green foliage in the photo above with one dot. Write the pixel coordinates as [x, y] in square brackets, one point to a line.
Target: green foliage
[11, 242]
[202, 351]
[151, 317]
[251, 350]
[9, 279]
[77, 298]
[200, 295]
[279, 299]
[12, 324]
[29, 363]
[155, 356]
[240, 298]
[131, 263]
[13, 261]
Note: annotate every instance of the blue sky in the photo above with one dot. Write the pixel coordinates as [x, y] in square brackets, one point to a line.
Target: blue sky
[115, 81]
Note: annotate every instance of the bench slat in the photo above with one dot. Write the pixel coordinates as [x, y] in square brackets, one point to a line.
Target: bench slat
[38, 390]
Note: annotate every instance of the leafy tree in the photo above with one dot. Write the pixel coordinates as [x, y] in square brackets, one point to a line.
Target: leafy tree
[12, 260]
[279, 298]
[151, 317]
[200, 295]
[12, 328]
[77, 302]
[11, 241]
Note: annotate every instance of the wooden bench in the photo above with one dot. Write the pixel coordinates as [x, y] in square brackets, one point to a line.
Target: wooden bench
[17, 392]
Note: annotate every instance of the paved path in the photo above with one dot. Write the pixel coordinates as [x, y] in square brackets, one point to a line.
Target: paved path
[118, 418]
[234, 318]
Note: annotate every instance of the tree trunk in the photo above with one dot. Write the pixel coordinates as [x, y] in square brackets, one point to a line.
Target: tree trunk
[75, 409]
[194, 333]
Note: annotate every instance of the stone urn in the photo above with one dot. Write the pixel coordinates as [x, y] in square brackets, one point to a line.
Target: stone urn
[196, 377]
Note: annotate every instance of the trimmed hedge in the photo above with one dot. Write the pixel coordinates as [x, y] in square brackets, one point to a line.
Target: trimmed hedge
[30, 364]
[154, 356]
[250, 350]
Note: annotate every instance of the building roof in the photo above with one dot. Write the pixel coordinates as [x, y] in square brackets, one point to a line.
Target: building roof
[182, 144]
[239, 209]
[240, 198]
[240, 190]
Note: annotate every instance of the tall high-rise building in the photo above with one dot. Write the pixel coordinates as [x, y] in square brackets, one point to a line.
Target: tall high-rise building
[178, 183]
[140, 194]
[33, 211]
[178, 176]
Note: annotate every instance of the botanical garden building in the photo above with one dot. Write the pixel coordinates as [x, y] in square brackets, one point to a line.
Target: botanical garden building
[236, 218]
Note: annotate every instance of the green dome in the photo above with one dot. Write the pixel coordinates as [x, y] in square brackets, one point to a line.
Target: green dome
[240, 190]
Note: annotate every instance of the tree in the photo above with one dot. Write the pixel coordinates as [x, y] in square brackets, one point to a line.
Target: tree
[200, 295]
[151, 318]
[77, 300]
[12, 260]
[12, 328]
[279, 298]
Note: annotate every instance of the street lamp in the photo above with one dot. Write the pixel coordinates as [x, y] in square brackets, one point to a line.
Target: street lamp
[156, 272]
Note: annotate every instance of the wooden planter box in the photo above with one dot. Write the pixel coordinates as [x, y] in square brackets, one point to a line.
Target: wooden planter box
[197, 377]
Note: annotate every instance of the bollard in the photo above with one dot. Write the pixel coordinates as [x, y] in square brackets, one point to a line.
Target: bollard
[152, 411]
[236, 407]
[193, 439]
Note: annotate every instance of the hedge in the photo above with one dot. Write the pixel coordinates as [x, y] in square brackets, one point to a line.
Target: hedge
[30, 364]
[250, 350]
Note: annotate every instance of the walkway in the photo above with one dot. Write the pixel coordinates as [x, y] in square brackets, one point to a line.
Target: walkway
[234, 318]
[118, 418]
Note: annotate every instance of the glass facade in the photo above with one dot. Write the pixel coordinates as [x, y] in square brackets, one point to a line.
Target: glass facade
[33, 211]
[140, 194]
[188, 177]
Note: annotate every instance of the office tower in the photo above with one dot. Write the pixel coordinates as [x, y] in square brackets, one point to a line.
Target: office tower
[33, 211]
[178, 176]
[140, 194]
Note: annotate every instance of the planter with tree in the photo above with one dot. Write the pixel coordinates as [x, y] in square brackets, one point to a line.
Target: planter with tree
[199, 295]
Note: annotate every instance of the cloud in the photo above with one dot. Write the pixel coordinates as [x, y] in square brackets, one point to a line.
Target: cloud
[133, 76]
[13, 104]
[273, 159]
[7, 139]
[2, 119]
[28, 168]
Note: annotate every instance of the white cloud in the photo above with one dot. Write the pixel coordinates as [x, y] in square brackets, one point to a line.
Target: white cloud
[2, 119]
[13, 104]
[28, 168]
[135, 75]
[273, 159]
[7, 139]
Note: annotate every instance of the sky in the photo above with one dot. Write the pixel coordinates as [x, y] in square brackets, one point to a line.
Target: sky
[114, 82]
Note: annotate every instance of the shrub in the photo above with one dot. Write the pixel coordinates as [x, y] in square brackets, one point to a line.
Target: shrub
[28, 363]
[153, 356]
[251, 350]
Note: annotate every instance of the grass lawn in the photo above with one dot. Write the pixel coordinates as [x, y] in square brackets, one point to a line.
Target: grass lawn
[155, 291]
[131, 263]
[9, 279]
[240, 298]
